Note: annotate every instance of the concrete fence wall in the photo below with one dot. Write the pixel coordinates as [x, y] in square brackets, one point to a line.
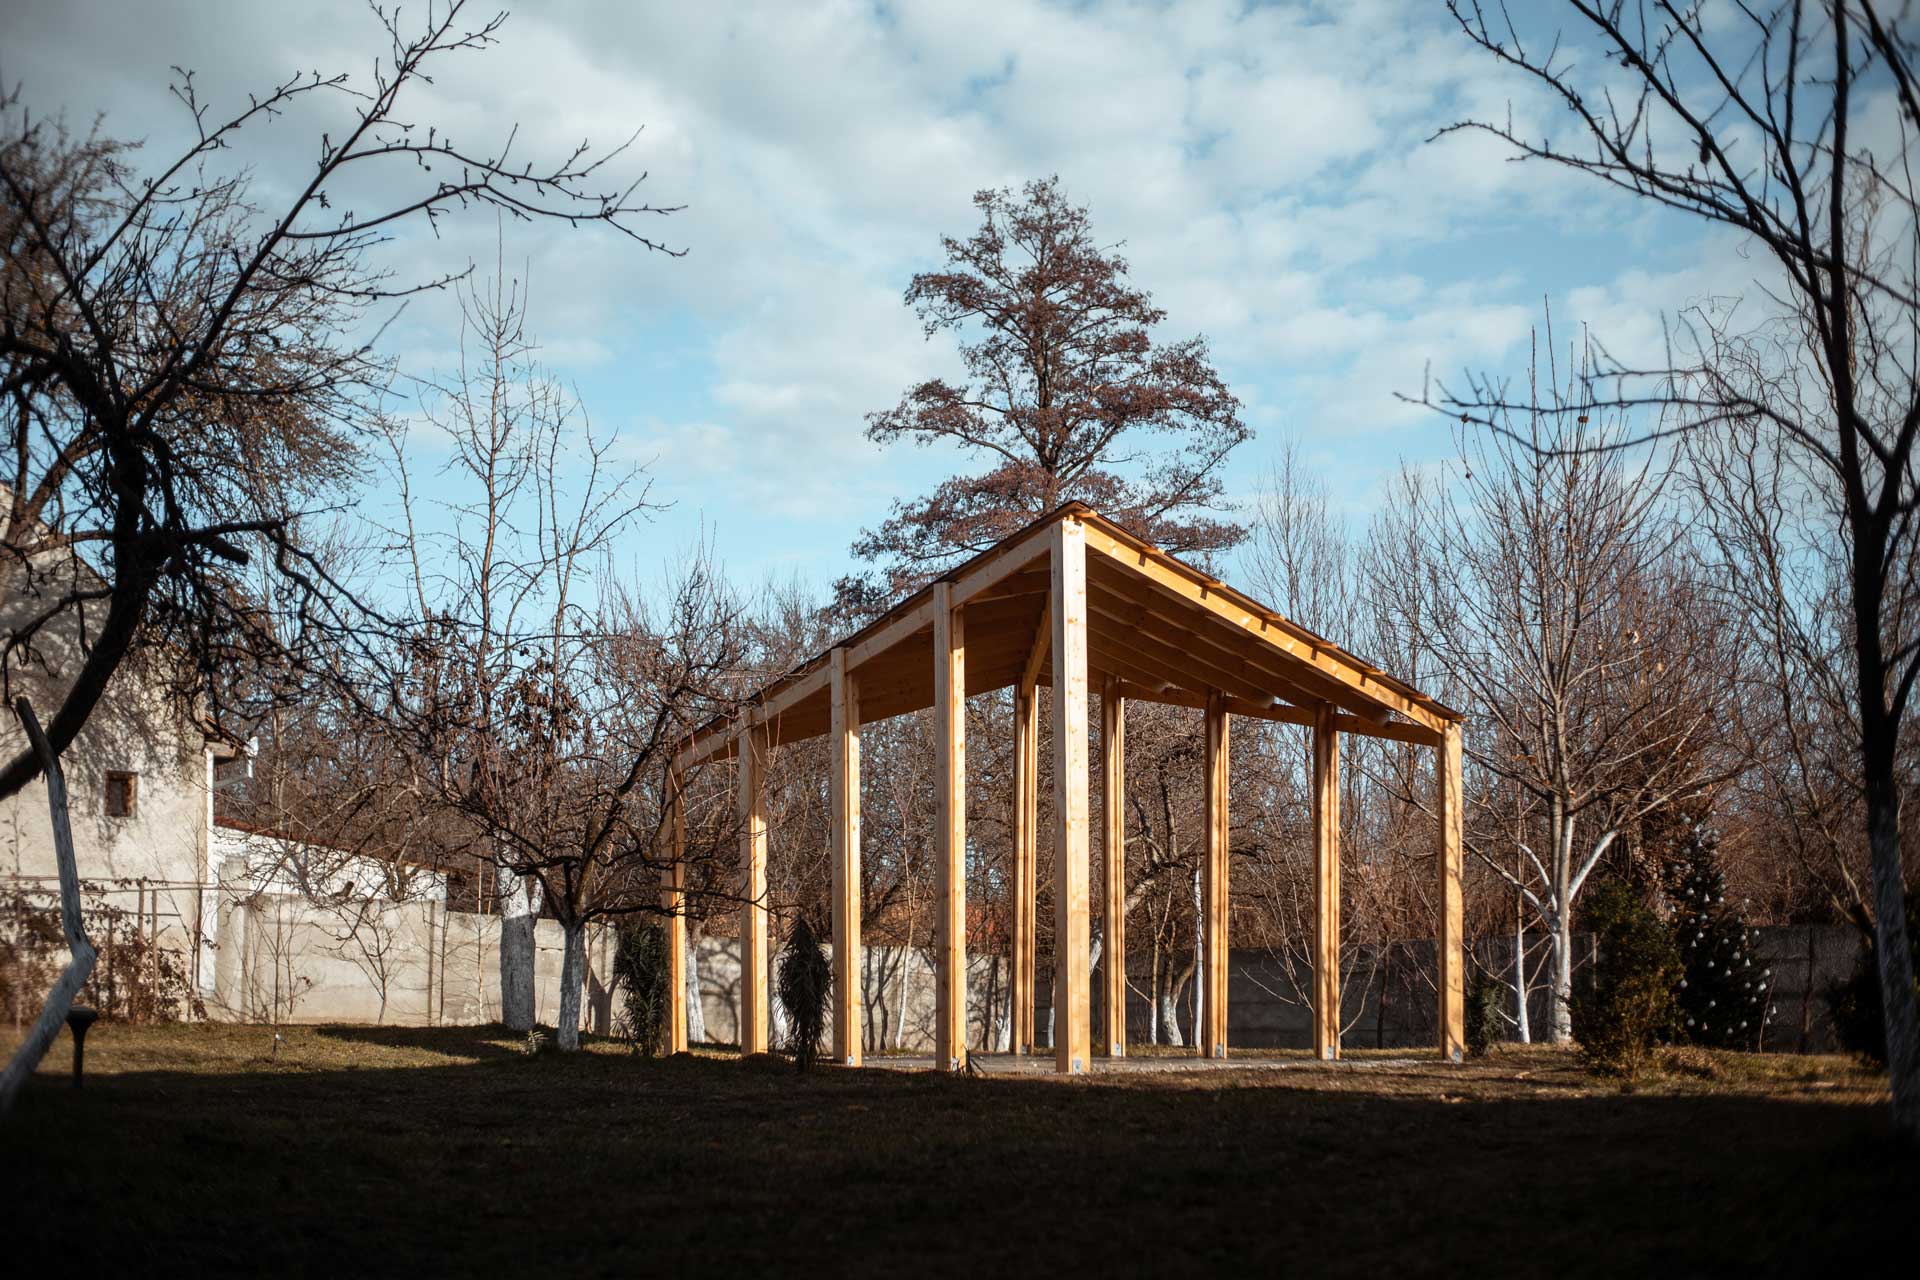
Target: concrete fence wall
[444, 967]
[264, 954]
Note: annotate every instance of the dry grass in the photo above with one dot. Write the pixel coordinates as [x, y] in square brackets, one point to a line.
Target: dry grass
[360, 1150]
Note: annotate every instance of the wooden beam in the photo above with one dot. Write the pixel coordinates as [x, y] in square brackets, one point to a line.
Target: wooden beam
[673, 901]
[1175, 663]
[1137, 671]
[1215, 888]
[1365, 692]
[1032, 579]
[1395, 730]
[1072, 1036]
[1326, 886]
[1450, 937]
[1113, 919]
[1042, 639]
[1272, 672]
[844, 824]
[1026, 821]
[1281, 713]
[754, 1009]
[1136, 691]
[1149, 621]
[1013, 559]
[950, 773]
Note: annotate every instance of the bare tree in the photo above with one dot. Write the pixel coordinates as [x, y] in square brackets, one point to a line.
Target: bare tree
[1793, 124]
[1565, 609]
[1784, 578]
[187, 366]
[542, 697]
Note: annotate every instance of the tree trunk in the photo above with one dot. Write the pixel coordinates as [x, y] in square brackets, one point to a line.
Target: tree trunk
[1560, 1006]
[573, 976]
[1153, 996]
[1892, 950]
[519, 909]
[74, 977]
[1094, 976]
[1560, 991]
[1199, 956]
[1520, 971]
[696, 1011]
[1170, 1012]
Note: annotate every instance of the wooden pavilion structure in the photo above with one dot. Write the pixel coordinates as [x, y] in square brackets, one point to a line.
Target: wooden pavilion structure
[1077, 603]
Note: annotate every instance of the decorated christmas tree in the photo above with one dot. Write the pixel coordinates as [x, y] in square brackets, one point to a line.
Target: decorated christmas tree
[1725, 996]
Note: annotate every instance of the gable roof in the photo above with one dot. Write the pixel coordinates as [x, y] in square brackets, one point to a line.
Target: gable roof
[1167, 631]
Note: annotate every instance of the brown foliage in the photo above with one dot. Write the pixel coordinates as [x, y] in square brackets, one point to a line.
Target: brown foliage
[1065, 387]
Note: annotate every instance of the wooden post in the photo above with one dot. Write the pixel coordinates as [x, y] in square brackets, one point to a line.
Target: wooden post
[1113, 920]
[1072, 1036]
[1326, 885]
[673, 900]
[844, 819]
[1214, 1043]
[950, 783]
[1026, 818]
[1449, 938]
[754, 1010]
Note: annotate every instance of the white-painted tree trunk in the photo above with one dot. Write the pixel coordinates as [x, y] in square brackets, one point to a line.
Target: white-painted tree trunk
[1520, 976]
[1560, 1009]
[519, 909]
[1199, 956]
[573, 976]
[696, 1011]
[900, 1005]
[1169, 1017]
[1093, 968]
[60, 999]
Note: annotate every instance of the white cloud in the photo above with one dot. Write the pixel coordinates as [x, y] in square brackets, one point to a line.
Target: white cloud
[1266, 165]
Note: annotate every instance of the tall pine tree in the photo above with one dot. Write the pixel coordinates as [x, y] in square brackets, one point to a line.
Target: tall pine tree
[1725, 996]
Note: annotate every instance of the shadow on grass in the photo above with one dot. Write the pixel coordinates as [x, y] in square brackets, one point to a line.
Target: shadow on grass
[487, 1041]
[610, 1162]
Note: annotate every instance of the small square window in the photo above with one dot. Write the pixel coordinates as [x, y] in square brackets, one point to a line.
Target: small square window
[123, 791]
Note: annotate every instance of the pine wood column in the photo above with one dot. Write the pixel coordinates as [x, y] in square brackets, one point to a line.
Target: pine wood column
[754, 1009]
[1215, 887]
[1450, 937]
[1326, 885]
[1113, 919]
[673, 901]
[844, 819]
[950, 783]
[1026, 818]
[1072, 1035]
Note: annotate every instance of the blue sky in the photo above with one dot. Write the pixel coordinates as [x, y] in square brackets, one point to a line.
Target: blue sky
[1267, 167]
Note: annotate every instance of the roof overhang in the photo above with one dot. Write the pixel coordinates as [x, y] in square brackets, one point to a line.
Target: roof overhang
[1167, 631]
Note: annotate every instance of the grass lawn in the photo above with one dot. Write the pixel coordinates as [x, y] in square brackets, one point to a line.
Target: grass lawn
[364, 1150]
